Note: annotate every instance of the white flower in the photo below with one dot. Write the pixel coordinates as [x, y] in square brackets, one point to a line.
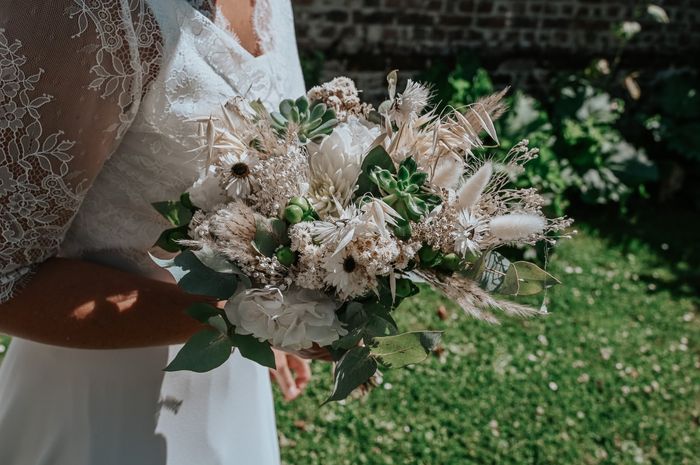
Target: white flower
[335, 164]
[629, 29]
[516, 226]
[347, 276]
[207, 192]
[293, 320]
[340, 231]
[235, 170]
[468, 236]
[372, 218]
[380, 214]
[411, 102]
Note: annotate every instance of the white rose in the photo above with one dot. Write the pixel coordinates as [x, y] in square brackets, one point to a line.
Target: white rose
[293, 320]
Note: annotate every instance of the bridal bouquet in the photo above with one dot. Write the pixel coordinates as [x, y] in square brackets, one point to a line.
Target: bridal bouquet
[315, 221]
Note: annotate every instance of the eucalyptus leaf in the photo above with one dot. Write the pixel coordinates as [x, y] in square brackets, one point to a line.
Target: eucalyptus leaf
[524, 278]
[354, 315]
[365, 320]
[376, 158]
[175, 212]
[405, 349]
[169, 238]
[255, 350]
[350, 340]
[378, 327]
[279, 231]
[218, 323]
[490, 271]
[202, 312]
[377, 309]
[206, 350]
[196, 278]
[269, 235]
[220, 264]
[353, 369]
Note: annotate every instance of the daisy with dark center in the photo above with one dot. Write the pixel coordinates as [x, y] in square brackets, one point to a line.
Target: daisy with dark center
[349, 264]
[240, 170]
[346, 275]
[236, 173]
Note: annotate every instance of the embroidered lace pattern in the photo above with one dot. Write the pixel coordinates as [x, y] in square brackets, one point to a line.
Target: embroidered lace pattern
[47, 161]
[36, 201]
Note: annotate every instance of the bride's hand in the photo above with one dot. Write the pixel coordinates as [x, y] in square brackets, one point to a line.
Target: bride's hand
[292, 374]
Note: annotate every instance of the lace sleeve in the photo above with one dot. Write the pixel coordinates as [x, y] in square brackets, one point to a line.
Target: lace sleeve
[72, 74]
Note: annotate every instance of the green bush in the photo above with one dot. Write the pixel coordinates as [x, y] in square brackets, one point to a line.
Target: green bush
[671, 112]
[605, 167]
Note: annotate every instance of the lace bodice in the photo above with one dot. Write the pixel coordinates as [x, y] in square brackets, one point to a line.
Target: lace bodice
[94, 116]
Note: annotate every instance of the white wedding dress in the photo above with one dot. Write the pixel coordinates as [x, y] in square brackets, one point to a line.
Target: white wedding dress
[94, 108]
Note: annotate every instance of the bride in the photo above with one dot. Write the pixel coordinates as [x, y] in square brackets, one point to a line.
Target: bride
[95, 98]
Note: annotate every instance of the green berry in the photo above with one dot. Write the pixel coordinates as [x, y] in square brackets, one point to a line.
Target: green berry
[285, 256]
[300, 202]
[293, 214]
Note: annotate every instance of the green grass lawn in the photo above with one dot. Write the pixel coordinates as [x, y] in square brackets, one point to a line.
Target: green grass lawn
[611, 376]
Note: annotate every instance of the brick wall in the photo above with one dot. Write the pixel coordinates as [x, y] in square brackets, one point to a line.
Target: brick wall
[520, 41]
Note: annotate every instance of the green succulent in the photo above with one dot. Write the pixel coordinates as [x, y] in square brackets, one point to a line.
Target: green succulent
[405, 191]
[311, 121]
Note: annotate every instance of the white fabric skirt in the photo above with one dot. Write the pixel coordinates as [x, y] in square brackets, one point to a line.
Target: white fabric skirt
[63, 406]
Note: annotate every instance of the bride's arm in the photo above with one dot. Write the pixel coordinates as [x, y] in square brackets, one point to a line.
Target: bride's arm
[79, 304]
